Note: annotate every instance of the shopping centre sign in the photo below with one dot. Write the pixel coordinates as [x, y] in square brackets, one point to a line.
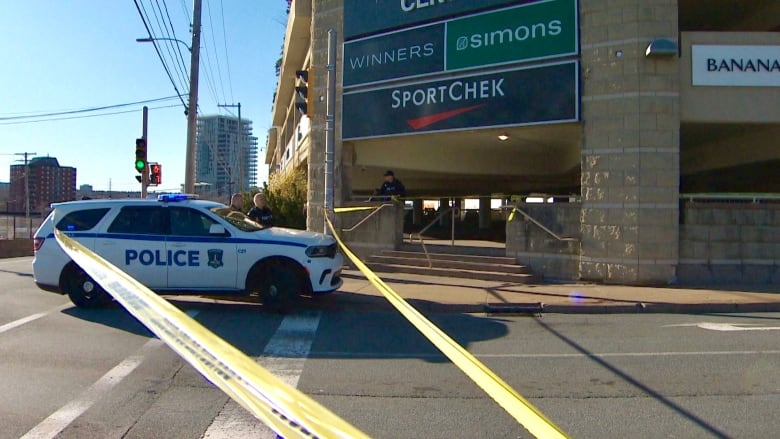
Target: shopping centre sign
[526, 32]
[363, 17]
[520, 96]
[738, 66]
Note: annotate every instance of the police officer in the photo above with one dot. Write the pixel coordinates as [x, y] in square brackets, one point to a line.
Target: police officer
[392, 186]
[237, 202]
[261, 214]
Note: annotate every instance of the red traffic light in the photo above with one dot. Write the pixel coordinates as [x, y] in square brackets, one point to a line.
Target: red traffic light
[155, 173]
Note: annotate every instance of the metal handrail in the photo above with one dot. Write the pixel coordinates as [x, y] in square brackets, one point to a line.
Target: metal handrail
[425, 229]
[373, 212]
[540, 225]
[752, 197]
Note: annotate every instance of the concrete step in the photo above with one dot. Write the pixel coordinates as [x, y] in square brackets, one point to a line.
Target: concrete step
[457, 273]
[443, 256]
[438, 262]
[491, 249]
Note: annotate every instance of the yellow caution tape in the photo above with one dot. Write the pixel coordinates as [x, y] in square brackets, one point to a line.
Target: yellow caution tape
[285, 409]
[511, 401]
[353, 209]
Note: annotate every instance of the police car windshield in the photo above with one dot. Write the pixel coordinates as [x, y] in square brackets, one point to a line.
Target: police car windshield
[238, 219]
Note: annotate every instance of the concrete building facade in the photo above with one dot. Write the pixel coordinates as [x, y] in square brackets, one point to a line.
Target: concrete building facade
[638, 110]
[225, 162]
[48, 183]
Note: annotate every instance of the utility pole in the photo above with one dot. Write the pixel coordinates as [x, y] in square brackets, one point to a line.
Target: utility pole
[27, 189]
[144, 135]
[192, 107]
[240, 151]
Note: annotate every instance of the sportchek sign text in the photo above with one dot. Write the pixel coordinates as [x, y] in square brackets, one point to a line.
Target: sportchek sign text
[521, 96]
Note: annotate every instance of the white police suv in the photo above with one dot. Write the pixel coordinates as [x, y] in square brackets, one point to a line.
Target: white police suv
[179, 244]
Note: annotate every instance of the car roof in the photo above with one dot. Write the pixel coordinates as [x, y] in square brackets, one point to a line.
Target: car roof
[70, 205]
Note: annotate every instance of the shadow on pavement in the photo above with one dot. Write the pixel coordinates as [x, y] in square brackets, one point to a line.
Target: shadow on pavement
[352, 326]
[18, 273]
[113, 316]
[709, 428]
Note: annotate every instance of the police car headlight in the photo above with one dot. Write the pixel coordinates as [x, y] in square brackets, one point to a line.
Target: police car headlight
[322, 251]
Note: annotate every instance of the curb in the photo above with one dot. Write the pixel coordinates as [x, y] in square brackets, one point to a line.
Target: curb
[643, 308]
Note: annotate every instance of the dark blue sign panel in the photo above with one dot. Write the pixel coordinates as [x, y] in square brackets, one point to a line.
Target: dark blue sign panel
[535, 95]
[412, 52]
[363, 17]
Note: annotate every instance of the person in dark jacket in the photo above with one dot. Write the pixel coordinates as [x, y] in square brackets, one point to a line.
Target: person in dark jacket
[261, 214]
[392, 186]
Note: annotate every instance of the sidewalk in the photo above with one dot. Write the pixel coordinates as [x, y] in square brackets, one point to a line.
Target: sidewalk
[436, 294]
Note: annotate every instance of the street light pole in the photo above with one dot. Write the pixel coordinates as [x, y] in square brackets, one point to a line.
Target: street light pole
[192, 107]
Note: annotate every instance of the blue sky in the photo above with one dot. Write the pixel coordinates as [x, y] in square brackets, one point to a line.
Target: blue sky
[64, 55]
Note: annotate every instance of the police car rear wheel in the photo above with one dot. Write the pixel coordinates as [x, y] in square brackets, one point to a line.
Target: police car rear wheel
[83, 291]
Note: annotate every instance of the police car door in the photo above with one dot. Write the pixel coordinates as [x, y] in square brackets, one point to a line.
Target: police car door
[200, 260]
[135, 242]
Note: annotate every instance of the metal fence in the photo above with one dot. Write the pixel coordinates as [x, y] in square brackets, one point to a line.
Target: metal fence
[19, 227]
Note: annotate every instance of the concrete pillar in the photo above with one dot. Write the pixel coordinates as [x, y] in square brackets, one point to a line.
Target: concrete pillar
[326, 14]
[484, 213]
[458, 204]
[631, 143]
[444, 204]
[417, 212]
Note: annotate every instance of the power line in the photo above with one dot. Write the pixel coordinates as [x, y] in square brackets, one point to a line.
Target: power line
[166, 42]
[159, 55]
[209, 74]
[216, 55]
[172, 46]
[181, 58]
[84, 116]
[86, 110]
[227, 59]
[186, 12]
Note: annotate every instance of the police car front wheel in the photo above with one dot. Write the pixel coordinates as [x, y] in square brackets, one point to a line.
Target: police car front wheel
[279, 285]
[83, 291]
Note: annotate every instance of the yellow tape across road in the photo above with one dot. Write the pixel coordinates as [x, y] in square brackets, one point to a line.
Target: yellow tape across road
[285, 409]
[511, 401]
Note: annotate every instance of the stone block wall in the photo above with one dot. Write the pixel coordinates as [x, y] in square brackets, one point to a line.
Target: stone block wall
[631, 142]
[326, 14]
[530, 245]
[729, 243]
[382, 231]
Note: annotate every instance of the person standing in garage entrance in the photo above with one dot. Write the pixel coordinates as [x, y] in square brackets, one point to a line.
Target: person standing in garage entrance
[391, 186]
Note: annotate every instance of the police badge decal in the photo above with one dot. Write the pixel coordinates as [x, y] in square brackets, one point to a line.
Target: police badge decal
[215, 258]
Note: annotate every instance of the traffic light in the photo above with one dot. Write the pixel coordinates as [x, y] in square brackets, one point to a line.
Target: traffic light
[140, 155]
[155, 173]
[304, 97]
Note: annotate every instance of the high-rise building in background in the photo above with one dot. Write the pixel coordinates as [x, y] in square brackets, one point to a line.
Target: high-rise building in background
[48, 183]
[220, 166]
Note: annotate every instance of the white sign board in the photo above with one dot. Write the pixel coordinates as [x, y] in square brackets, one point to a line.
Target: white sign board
[745, 66]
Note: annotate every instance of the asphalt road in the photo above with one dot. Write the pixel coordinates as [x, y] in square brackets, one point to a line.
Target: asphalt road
[71, 373]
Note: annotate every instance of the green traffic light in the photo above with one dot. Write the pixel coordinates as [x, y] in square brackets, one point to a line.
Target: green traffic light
[140, 165]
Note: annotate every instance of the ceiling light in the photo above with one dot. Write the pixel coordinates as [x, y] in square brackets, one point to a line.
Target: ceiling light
[503, 136]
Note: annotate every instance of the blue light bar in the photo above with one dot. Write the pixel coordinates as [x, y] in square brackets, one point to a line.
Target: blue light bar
[169, 198]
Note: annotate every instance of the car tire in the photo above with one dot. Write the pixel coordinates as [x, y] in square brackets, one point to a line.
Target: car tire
[279, 287]
[83, 291]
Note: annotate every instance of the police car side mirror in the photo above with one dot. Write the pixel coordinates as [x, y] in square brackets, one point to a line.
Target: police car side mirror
[217, 229]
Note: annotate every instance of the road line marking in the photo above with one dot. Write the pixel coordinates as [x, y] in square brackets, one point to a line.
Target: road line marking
[726, 327]
[284, 356]
[380, 355]
[31, 318]
[62, 418]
